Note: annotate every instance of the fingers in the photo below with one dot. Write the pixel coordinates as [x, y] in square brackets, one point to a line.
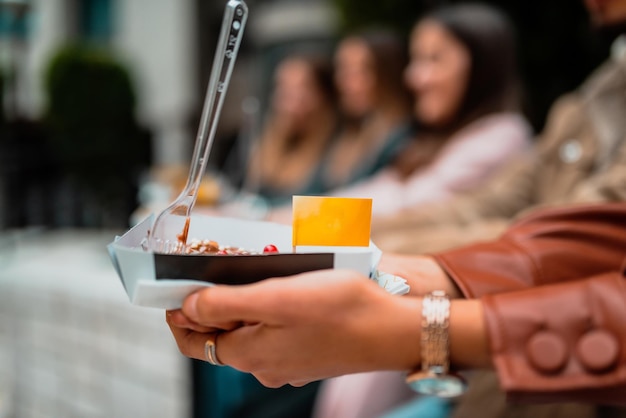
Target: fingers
[229, 306]
[270, 301]
[178, 319]
[190, 343]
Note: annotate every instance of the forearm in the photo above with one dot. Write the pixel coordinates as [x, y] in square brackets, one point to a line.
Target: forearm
[423, 274]
[469, 348]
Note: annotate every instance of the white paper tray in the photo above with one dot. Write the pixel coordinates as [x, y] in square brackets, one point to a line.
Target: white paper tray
[163, 281]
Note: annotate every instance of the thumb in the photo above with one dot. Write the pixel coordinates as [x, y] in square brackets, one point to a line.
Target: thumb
[219, 305]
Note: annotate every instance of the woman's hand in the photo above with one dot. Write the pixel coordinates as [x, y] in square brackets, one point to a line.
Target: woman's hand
[421, 272]
[302, 328]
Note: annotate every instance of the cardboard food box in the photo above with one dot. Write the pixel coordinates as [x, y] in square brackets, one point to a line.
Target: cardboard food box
[164, 280]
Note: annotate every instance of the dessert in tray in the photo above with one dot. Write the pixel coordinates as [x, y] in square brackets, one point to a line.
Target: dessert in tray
[210, 247]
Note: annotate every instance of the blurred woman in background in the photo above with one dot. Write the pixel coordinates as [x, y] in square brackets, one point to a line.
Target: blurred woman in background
[298, 130]
[374, 106]
[462, 72]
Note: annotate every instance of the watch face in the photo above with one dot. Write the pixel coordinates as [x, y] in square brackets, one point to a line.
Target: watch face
[446, 386]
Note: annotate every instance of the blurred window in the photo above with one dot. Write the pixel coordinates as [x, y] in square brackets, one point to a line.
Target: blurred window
[13, 19]
[95, 19]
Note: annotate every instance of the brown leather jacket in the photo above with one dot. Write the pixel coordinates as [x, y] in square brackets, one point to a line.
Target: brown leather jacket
[554, 293]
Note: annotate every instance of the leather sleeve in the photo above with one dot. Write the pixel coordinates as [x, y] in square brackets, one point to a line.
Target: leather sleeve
[562, 342]
[549, 246]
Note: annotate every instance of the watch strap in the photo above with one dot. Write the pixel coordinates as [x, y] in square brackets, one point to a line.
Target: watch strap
[435, 341]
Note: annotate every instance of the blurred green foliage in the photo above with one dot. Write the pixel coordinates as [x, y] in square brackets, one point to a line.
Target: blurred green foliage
[91, 103]
[91, 113]
[91, 124]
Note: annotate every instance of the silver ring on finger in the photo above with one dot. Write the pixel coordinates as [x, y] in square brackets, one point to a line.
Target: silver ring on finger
[210, 350]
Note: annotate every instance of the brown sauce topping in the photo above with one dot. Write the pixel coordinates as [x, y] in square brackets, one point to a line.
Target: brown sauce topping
[182, 237]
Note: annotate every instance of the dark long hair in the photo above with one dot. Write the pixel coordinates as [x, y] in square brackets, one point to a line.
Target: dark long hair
[322, 70]
[489, 37]
[390, 59]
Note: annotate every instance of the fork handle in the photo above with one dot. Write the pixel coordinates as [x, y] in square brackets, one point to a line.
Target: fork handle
[235, 17]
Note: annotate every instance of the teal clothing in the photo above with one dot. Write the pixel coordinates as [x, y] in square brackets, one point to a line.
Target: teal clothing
[394, 145]
[223, 392]
[319, 185]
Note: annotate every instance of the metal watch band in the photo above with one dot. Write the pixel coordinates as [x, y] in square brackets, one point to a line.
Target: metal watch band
[433, 378]
[435, 344]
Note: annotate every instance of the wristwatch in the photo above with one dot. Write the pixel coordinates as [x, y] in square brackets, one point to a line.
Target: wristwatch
[433, 377]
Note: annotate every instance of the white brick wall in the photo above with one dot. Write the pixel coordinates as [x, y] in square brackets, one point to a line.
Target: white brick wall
[71, 345]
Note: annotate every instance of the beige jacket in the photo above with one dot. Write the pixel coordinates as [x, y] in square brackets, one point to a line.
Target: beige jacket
[580, 157]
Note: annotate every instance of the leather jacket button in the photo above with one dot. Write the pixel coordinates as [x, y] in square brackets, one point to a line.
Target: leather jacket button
[597, 350]
[547, 352]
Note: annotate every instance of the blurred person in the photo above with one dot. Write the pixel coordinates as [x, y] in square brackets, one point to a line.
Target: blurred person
[579, 157]
[301, 124]
[462, 73]
[374, 105]
[374, 108]
[374, 121]
[545, 307]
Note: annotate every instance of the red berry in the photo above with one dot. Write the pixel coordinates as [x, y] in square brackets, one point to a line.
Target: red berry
[270, 248]
[222, 252]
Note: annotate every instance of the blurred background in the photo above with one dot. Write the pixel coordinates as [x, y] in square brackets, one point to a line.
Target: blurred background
[98, 94]
[100, 105]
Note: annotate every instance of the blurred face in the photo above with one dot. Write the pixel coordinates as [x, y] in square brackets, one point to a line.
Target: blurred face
[355, 77]
[296, 95]
[438, 73]
[607, 12]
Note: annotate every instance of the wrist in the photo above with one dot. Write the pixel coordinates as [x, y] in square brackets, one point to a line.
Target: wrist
[398, 339]
[432, 376]
[441, 279]
[469, 347]
[423, 274]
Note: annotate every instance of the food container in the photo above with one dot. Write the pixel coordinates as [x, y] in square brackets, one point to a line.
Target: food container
[164, 280]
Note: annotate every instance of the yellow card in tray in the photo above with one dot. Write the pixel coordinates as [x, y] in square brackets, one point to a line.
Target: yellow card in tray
[333, 221]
